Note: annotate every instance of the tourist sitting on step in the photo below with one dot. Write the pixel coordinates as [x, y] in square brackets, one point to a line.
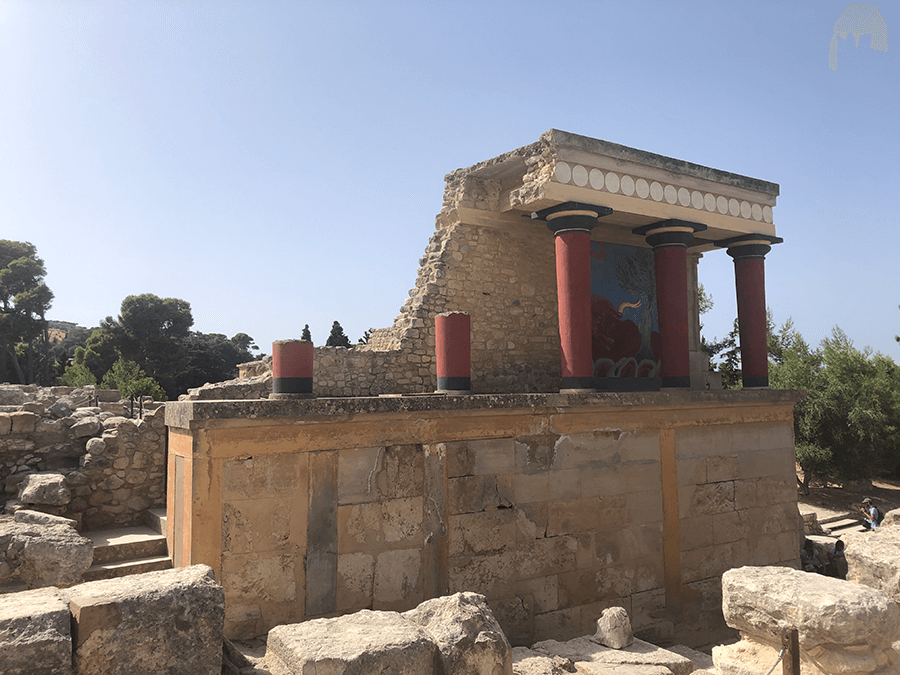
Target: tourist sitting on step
[837, 561]
[809, 558]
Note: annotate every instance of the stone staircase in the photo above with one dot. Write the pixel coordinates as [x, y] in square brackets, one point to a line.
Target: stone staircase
[845, 522]
[130, 550]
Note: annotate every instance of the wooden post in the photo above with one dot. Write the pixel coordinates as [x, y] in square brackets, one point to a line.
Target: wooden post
[790, 640]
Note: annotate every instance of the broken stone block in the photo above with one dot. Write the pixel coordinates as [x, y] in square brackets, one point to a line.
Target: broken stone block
[35, 634]
[614, 628]
[44, 555]
[465, 630]
[640, 658]
[23, 422]
[873, 559]
[39, 518]
[529, 662]
[60, 409]
[155, 623]
[763, 601]
[356, 644]
[86, 426]
[45, 488]
[5, 424]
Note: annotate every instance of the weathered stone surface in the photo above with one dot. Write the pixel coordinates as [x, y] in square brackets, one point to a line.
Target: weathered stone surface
[39, 518]
[590, 657]
[35, 633]
[157, 623]
[469, 637]
[45, 488]
[873, 559]
[356, 644]
[60, 409]
[891, 518]
[699, 659]
[614, 628]
[23, 422]
[86, 426]
[530, 662]
[763, 601]
[5, 423]
[44, 555]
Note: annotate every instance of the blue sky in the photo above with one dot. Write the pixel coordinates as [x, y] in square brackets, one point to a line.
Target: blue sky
[281, 163]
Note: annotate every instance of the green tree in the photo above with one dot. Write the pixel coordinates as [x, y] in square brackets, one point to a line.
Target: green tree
[306, 335]
[211, 357]
[337, 338]
[131, 381]
[849, 425]
[78, 375]
[24, 301]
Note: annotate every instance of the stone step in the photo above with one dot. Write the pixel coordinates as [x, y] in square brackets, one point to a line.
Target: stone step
[845, 525]
[127, 543]
[111, 570]
[833, 519]
[156, 520]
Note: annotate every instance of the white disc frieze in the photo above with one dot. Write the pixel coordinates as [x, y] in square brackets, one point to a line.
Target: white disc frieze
[612, 182]
[627, 185]
[656, 191]
[734, 207]
[671, 194]
[696, 200]
[684, 197]
[745, 209]
[756, 212]
[709, 201]
[596, 179]
[579, 175]
[767, 213]
[563, 172]
[722, 204]
[642, 189]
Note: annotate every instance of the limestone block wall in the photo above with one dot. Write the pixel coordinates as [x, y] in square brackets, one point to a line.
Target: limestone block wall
[554, 507]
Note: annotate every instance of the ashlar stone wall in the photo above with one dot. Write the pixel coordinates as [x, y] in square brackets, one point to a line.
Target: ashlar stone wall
[554, 507]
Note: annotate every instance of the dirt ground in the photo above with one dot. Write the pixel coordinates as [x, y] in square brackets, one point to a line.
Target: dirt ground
[885, 494]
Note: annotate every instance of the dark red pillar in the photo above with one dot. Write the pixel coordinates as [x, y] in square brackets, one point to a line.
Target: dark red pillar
[571, 222]
[669, 240]
[292, 369]
[749, 253]
[452, 342]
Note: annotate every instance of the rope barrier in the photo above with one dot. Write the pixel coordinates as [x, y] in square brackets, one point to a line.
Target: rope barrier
[777, 661]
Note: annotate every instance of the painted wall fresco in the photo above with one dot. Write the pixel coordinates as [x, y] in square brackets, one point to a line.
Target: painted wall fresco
[625, 332]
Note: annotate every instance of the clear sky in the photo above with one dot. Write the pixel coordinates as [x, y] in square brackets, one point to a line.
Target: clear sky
[281, 163]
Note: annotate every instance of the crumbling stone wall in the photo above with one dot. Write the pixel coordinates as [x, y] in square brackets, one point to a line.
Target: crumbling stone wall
[113, 467]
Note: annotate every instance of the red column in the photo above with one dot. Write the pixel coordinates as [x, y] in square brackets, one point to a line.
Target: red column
[571, 222]
[292, 369]
[452, 342]
[749, 253]
[669, 240]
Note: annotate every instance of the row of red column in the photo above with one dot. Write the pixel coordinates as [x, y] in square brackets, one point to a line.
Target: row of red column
[571, 223]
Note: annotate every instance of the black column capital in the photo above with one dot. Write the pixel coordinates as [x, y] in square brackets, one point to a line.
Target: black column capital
[672, 232]
[749, 245]
[571, 216]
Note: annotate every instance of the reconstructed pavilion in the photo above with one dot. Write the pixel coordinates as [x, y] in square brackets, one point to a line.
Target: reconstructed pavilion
[595, 463]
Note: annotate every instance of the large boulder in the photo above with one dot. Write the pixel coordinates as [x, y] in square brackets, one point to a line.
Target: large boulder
[35, 636]
[465, 630]
[157, 623]
[43, 555]
[45, 488]
[356, 644]
[843, 627]
[873, 559]
[614, 628]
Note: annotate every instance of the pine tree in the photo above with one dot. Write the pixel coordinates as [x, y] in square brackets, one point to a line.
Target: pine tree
[337, 338]
[306, 335]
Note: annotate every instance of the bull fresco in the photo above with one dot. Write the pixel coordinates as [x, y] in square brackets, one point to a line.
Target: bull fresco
[624, 328]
